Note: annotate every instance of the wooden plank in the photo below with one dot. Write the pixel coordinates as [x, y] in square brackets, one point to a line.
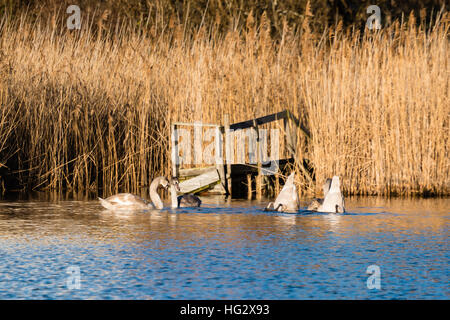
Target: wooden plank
[201, 182]
[244, 169]
[258, 121]
[191, 172]
[216, 189]
[269, 118]
[197, 124]
[298, 124]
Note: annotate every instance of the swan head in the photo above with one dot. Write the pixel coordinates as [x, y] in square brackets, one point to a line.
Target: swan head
[164, 182]
[174, 182]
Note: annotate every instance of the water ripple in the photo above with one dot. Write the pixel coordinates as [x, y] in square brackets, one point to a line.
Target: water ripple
[225, 250]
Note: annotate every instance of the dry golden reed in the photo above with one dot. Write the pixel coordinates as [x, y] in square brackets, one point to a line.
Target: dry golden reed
[81, 111]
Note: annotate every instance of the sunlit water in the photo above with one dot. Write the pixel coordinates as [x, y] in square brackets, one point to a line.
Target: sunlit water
[225, 250]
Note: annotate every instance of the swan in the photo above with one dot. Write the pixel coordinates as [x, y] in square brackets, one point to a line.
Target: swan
[287, 200]
[333, 200]
[185, 200]
[128, 201]
[317, 202]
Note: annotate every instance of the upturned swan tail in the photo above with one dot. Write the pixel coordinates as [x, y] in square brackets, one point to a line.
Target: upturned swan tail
[335, 185]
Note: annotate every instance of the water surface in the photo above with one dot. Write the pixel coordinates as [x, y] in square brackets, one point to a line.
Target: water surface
[228, 249]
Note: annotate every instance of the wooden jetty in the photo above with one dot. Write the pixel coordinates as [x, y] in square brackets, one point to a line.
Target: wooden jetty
[226, 175]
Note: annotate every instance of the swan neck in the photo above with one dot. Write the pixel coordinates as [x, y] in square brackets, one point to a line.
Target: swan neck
[154, 196]
[173, 196]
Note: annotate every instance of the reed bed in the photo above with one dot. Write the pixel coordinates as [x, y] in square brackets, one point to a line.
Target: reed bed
[91, 110]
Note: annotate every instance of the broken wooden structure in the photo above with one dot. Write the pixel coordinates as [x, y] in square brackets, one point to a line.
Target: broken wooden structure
[225, 175]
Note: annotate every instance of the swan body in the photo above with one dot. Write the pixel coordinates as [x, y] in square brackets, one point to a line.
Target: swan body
[287, 199]
[183, 201]
[128, 201]
[125, 201]
[333, 200]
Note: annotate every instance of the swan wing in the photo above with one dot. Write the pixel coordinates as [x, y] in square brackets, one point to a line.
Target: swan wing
[330, 202]
[125, 201]
[333, 198]
[335, 185]
[326, 187]
[288, 196]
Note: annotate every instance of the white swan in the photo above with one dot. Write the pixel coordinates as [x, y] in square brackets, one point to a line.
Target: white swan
[333, 200]
[185, 200]
[287, 200]
[128, 201]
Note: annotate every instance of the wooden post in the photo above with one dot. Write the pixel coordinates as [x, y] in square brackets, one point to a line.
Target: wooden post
[291, 141]
[219, 159]
[259, 164]
[175, 152]
[277, 184]
[228, 153]
[198, 136]
[259, 183]
[249, 186]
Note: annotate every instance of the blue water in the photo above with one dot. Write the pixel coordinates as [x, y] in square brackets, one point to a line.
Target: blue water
[225, 250]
